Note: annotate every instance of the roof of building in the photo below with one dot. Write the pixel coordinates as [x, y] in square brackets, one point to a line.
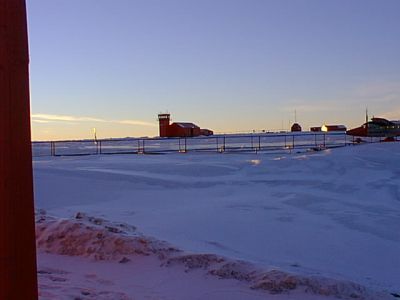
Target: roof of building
[185, 125]
[384, 122]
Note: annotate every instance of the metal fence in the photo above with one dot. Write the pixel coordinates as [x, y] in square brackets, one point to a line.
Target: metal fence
[285, 142]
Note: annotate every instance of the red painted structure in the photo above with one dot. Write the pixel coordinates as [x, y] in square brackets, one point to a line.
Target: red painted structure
[329, 128]
[163, 120]
[295, 127]
[377, 127]
[315, 129]
[18, 279]
[179, 129]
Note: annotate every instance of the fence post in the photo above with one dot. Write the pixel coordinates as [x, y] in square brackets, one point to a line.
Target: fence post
[324, 140]
[293, 141]
[54, 148]
[259, 143]
[140, 146]
[182, 148]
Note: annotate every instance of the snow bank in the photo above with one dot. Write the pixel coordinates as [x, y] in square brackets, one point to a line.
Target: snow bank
[101, 240]
[94, 238]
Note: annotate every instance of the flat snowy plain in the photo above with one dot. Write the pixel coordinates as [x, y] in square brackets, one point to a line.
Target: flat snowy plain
[332, 214]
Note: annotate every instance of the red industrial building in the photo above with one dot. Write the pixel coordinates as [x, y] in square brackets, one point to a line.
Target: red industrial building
[179, 129]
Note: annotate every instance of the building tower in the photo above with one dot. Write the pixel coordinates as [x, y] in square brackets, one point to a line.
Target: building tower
[163, 120]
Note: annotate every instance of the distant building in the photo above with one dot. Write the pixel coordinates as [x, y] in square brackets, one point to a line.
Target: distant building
[327, 128]
[183, 129]
[163, 120]
[206, 132]
[295, 127]
[179, 129]
[315, 129]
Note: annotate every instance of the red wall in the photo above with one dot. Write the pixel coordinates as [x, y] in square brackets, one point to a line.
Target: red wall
[18, 277]
[175, 130]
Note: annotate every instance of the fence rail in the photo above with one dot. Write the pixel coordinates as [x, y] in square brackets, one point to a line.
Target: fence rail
[287, 142]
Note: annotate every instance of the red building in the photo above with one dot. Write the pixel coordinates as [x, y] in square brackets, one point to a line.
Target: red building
[315, 129]
[328, 128]
[295, 127]
[179, 129]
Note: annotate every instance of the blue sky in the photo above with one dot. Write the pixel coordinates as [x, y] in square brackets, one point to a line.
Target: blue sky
[226, 65]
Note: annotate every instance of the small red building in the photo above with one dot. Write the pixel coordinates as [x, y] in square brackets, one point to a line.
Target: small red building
[179, 129]
[206, 132]
[328, 128]
[315, 129]
[295, 127]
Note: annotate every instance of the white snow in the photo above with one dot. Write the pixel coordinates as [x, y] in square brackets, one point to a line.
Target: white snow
[330, 214]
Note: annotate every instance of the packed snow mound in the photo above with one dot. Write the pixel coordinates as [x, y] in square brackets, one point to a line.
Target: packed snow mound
[273, 281]
[94, 238]
[98, 239]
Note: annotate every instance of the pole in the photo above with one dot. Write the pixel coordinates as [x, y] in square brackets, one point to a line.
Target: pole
[18, 278]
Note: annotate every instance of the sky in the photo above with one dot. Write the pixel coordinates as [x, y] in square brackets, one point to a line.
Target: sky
[226, 65]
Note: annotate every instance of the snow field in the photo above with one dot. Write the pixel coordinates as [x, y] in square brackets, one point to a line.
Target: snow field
[331, 214]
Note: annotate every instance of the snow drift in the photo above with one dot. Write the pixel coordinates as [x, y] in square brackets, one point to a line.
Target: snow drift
[101, 240]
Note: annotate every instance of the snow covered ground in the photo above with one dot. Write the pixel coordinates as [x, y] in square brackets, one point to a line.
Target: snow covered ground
[328, 214]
